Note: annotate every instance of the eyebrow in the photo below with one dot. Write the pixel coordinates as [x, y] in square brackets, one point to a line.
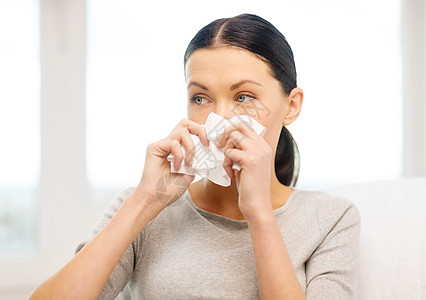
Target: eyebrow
[238, 84]
[197, 84]
[233, 87]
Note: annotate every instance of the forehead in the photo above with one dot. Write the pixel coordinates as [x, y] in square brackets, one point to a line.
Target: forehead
[226, 62]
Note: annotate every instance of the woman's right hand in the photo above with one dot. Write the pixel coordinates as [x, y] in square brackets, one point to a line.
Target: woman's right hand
[157, 182]
[158, 187]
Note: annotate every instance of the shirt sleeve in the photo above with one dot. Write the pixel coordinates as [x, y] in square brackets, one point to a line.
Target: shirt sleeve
[124, 269]
[331, 271]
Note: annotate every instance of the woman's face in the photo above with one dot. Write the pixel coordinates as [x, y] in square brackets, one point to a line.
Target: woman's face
[232, 81]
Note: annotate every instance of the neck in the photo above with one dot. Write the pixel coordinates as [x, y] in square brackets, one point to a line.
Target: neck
[224, 200]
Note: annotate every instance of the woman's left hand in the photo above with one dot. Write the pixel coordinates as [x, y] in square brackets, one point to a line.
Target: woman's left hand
[243, 146]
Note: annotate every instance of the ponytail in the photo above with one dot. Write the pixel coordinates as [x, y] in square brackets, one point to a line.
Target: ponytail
[287, 159]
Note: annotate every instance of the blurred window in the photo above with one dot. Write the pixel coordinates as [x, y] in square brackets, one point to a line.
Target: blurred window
[19, 124]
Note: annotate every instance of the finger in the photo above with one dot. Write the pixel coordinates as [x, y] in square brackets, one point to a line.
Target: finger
[227, 165]
[176, 150]
[200, 131]
[195, 128]
[223, 138]
[242, 127]
[165, 147]
[232, 156]
[237, 140]
[246, 128]
[189, 147]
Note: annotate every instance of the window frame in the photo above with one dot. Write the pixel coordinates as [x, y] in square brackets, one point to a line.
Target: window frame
[62, 93]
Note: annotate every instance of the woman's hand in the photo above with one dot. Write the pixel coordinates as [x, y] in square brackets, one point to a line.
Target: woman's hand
[157, 181]
[157, 189]
[242, 145]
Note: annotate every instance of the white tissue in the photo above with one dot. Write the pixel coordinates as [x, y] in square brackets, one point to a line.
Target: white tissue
[208, 160]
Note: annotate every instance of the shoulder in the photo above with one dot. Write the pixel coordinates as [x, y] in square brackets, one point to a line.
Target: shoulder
[107, 215]
[332, 244]
[111, 210]
[117, 202]
[327, 209]
[121, 197]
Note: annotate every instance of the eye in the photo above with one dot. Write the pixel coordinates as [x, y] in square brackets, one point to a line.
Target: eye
[197, 100]
[244, 98]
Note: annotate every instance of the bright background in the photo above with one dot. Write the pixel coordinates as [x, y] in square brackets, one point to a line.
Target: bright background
[85, 86]
[350, 71]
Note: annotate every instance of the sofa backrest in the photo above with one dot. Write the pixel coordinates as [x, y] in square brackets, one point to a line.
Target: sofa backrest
[393, 237]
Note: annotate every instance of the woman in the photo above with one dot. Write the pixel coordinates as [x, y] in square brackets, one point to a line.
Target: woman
[257, 238]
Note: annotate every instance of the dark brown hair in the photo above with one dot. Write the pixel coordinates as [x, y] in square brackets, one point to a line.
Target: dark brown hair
[260, 37]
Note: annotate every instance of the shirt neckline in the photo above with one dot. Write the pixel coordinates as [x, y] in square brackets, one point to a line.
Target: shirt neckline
[241, 223]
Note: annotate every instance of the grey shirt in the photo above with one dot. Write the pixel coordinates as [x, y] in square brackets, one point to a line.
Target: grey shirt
[189, 253]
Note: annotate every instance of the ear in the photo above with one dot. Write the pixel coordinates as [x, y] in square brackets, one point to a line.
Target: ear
[294, 105]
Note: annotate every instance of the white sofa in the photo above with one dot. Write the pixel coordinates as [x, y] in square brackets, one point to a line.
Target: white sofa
[393, 237]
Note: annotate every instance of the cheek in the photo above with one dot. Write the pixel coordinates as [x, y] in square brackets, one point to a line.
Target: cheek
[195, 115]
[271, 135]
[273, 124]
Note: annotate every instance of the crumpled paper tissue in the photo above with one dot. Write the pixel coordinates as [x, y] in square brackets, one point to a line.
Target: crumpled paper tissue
[208, 160]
